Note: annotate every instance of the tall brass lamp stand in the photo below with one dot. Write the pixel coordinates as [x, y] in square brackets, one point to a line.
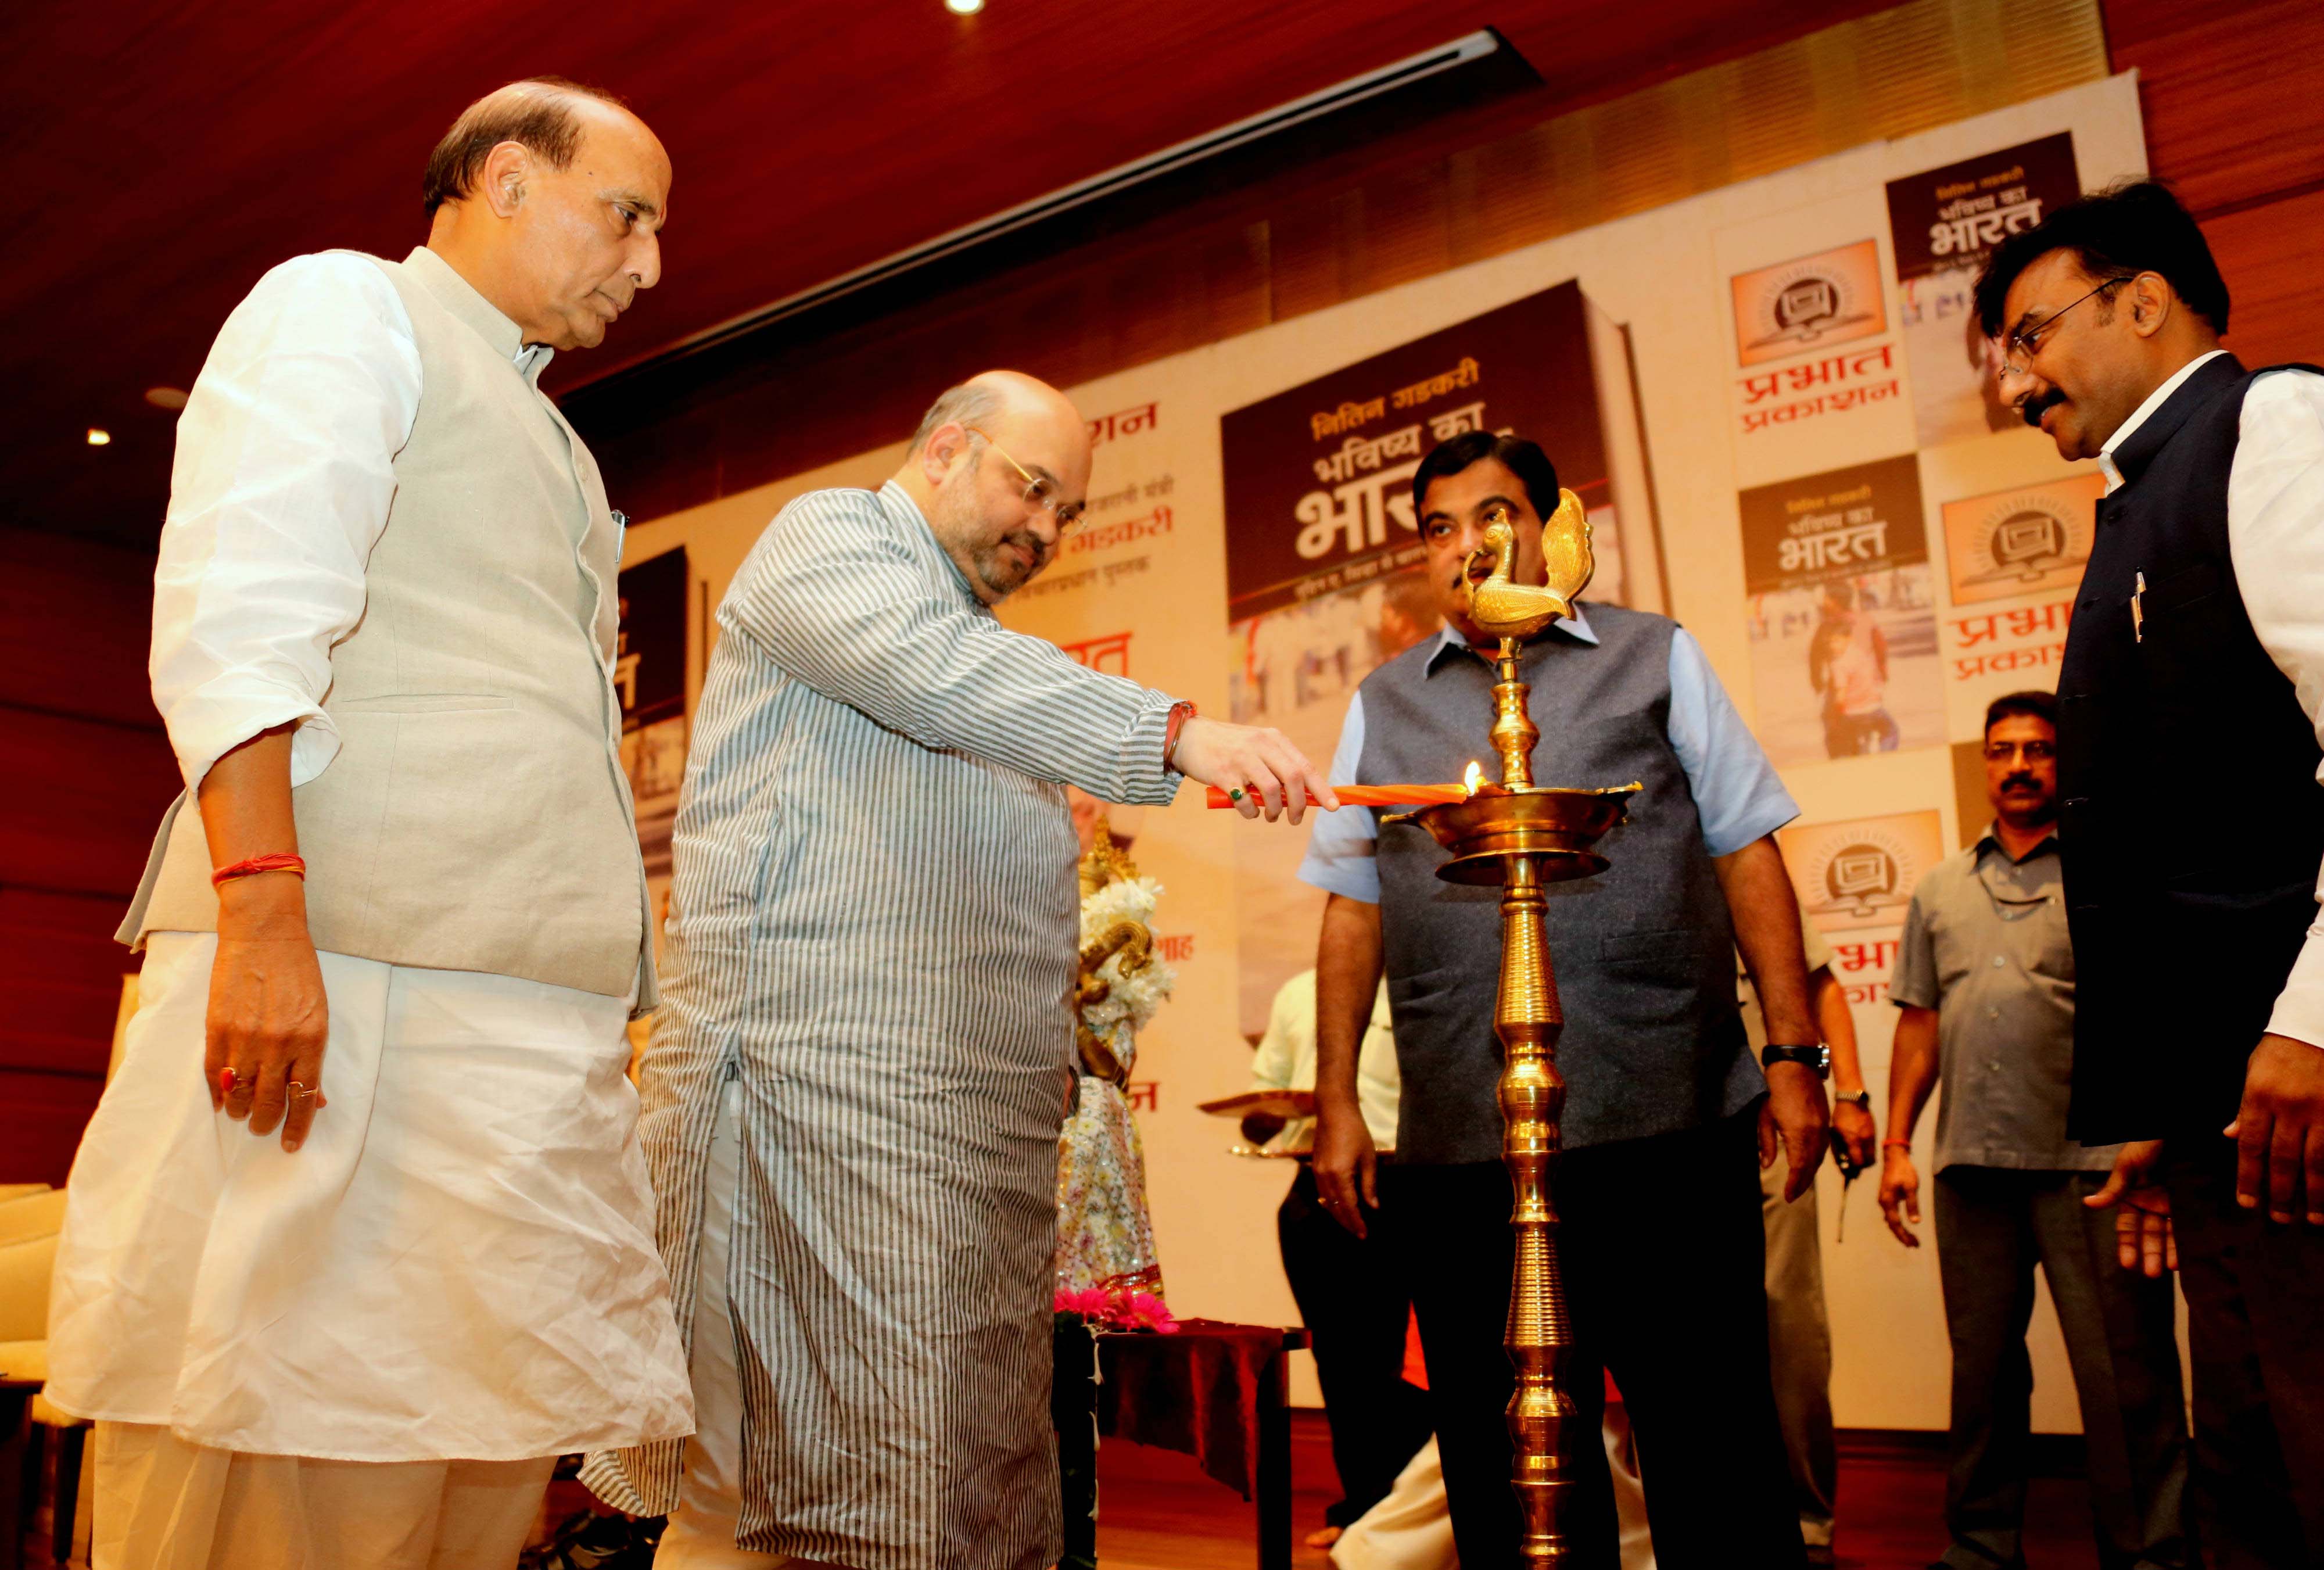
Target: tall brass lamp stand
[1523, 837]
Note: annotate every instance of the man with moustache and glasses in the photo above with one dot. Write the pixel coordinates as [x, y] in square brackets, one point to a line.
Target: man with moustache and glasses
[1666, 1112]
[2196, 652]
[856, 1081]
[1985, 977]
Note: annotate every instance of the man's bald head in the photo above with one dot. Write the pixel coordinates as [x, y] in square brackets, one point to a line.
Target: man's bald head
[549, 197]
[997, 462]
[1009, 399]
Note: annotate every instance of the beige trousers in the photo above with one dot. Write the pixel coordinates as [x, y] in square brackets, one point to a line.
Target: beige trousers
[1799, 1352]
[165, 1504]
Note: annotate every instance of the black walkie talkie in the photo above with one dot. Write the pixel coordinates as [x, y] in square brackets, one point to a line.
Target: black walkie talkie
[1848, 1169]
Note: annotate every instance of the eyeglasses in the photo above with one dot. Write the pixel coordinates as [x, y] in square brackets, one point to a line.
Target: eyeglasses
[2005, 752]
[2027, 343]
[1039, 490]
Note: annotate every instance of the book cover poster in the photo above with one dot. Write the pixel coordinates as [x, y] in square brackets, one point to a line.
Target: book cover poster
[1840, 610]
[1324, 579]
[1944, 225]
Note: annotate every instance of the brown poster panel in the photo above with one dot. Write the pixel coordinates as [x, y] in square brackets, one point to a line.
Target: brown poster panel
[1323, 579]
[1319, 478]
[649, 679]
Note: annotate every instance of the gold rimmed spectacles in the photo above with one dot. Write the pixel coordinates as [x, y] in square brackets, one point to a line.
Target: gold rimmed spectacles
[1040, 490]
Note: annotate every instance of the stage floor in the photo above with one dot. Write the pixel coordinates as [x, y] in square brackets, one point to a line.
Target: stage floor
[1156, 1512]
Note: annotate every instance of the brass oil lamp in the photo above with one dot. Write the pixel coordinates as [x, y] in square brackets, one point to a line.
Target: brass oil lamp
[1523, 836]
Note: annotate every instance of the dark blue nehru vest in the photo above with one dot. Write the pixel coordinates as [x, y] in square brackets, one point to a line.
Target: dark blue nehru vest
[2191, 823]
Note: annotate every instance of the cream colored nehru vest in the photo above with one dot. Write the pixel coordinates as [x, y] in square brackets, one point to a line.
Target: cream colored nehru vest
[477, 816]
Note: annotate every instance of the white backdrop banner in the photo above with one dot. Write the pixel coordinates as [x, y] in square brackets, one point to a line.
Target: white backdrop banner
[1776, 357]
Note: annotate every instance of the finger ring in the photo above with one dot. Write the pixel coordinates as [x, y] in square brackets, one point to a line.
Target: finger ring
[228, 1079]
[1236, 794]
[297, 1090]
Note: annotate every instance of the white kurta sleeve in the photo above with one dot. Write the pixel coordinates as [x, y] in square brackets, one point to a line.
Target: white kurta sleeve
[284, 477]
[845, 608]
[2276, 534]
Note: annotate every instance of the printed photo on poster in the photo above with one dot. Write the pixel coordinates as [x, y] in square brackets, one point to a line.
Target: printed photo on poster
[2021, 541]
[650, 678]
[1842, 613]
[1810, 302]
[1861, 871]
[1943, 223]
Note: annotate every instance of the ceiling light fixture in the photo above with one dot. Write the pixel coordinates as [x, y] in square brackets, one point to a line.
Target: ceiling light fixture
[964, 8]
[98, 437]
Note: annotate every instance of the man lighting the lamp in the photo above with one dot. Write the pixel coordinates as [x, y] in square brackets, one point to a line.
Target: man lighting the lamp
[856, 1085]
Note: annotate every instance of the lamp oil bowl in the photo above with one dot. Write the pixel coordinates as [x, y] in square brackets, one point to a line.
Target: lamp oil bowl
[1554, 825]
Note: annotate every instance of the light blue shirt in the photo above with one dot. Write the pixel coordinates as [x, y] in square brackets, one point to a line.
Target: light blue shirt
[1736, 791]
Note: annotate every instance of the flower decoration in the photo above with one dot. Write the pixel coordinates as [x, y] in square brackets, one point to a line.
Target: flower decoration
[1131, 999]
[1120, 1308]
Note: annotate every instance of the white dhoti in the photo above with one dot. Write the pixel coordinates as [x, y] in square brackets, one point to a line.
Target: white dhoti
[459, 1265]
[165, 1504]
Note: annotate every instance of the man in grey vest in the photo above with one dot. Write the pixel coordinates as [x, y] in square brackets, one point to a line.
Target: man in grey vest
[404, 877]
[1657, 1190]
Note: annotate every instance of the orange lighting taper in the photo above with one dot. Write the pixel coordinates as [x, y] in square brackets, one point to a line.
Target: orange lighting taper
[1373, 795]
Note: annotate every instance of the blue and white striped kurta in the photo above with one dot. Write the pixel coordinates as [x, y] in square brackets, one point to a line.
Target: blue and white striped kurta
[873, 923]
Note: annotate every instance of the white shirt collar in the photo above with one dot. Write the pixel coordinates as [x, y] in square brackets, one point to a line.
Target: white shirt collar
[2138, 417]
[1577, 625]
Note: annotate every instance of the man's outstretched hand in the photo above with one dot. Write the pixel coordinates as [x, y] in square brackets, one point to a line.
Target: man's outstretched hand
[1258, 760]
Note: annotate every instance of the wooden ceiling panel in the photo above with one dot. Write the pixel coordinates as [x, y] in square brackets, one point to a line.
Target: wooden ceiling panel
[2210, 74]
[173, 152]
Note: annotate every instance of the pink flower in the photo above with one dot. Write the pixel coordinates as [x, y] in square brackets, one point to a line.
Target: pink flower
[1144, 1311]
[1090, 1302]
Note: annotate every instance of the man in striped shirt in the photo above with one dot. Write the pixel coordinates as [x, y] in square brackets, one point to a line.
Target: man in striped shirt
[857, 1078]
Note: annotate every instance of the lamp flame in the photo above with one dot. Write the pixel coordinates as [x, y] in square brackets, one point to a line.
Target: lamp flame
[1472, 778]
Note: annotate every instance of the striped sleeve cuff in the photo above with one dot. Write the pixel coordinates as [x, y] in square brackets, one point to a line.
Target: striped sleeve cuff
[1144, 777]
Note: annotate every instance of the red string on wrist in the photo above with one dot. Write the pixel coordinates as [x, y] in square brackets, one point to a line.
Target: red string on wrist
[1180, 713]
[1895, 1144]
[250, 866]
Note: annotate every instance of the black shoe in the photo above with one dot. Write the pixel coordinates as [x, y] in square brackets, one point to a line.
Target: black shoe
[594, 1542]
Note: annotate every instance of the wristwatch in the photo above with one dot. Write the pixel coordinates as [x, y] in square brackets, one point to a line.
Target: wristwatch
[1818, 1058]
[1862, 1098]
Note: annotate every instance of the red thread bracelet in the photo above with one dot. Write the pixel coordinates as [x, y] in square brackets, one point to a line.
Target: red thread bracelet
[273, 861]
[1180, 713]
